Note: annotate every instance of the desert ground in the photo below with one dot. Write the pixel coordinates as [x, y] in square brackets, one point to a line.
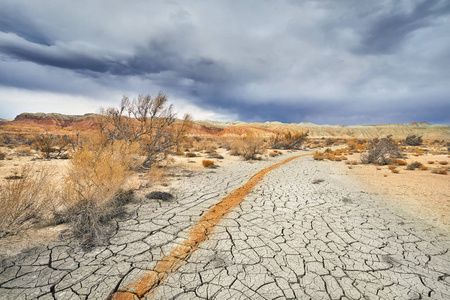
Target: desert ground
[282, 224]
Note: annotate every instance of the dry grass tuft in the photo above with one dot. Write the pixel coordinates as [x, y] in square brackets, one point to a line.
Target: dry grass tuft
[207, 163]
[23, 197]
[440, 171]
[400, 162]
[273, 154]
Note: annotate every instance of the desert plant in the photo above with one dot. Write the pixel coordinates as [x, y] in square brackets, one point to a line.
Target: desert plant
[50, 145]
[149, 122]
[22, 198]
[400, 162]
[440, 171]
[414, 165]
[381, 151]
[273, 154]
[95, 176]
[207, 163]
[413, 140]
[248, 147]
[288, 140]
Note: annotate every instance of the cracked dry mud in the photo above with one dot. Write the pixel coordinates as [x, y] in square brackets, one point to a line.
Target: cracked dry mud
[293, 237]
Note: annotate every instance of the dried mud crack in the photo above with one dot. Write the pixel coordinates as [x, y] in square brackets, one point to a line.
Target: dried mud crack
[290, 238]
[197, 234]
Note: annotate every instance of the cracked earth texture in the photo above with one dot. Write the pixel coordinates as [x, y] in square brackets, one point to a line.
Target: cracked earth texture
[293, 237]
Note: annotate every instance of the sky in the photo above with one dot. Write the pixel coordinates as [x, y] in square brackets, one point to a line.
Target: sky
[327, 62]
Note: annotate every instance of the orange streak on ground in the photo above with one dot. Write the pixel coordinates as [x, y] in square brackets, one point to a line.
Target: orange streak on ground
[148, 283]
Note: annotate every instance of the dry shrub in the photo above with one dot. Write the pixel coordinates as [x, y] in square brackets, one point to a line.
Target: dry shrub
[52, 146]
[356, 145]
[95, 176]
[423, 168]
[207, 163]
[148, 121]
[443, 162]
[414, 165]
[400, 162]
[441, 171]
[413, 140]
[273, 154]
[381, 151]
[215, 155]
[288, 140]
[23, 197]
[318, 156]
[330, 141]
[248, 147]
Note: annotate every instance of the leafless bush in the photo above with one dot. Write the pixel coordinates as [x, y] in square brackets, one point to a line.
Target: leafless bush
[413, 140]
[22, 198]
[52, 146]
[147, 121]
[287, 141]
[381, 151]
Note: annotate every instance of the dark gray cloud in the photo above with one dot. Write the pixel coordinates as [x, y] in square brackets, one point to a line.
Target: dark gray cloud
[344, 62]
[387, 33]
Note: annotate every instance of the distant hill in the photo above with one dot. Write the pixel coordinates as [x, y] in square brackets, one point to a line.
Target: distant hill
[59, 123]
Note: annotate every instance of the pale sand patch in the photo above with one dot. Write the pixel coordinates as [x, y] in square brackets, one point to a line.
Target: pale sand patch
[30, 238]
[422, 193]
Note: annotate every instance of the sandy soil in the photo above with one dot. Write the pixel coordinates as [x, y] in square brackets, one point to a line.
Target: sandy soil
[422, 193]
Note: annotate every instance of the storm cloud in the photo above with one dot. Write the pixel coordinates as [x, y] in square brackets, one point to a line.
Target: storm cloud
[326, 62]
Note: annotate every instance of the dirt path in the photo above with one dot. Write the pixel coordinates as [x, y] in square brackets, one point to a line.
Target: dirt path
[304, 231]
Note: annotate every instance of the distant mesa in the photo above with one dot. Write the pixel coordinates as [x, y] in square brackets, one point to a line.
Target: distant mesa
[59, 123]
